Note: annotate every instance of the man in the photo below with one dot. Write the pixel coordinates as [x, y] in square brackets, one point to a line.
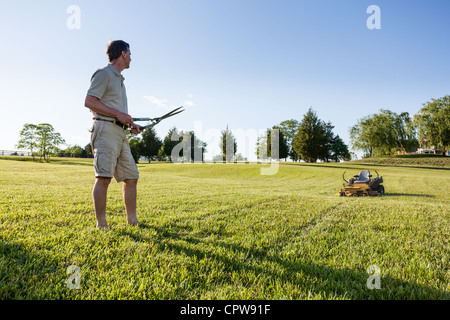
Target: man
[107, 100]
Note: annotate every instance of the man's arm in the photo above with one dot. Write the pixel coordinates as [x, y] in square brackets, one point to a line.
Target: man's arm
[97, 106]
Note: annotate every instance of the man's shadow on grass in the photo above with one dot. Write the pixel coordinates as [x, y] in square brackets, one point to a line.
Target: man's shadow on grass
[23, 274]
[345, 283]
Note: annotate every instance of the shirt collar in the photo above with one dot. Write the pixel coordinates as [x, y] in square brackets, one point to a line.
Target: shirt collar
[114, 70]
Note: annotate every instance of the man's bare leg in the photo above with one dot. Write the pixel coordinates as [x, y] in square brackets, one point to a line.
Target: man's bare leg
[129, 197]
[99, 195]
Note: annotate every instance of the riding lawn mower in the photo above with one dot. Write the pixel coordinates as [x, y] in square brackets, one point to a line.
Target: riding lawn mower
[362, 185]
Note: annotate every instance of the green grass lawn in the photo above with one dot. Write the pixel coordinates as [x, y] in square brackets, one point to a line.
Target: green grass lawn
[224, 231]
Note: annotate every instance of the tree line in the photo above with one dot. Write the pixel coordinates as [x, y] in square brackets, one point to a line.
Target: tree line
[387, 132]
[310, 140]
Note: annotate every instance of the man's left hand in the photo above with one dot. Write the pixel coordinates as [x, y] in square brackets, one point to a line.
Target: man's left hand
[135, 128]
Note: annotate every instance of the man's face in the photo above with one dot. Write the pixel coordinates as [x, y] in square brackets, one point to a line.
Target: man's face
[127, 58]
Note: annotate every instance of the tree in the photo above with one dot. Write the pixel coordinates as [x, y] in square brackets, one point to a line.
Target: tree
[433, 123]
[188, 147]
[315, 140]
[289, 129]
[261, 147]
[73, 152]
[195, 148]
[76, 151]
[405, 132]
[135, 146]
[150, 144]
[88, 151]
[28, 138]
[326, 150]
[363, 137]
[283, 149]
[339, 150]
[228, 145]
[384, 133]
[170, 141]
[161, 156]
[310, 138]
[47, 140]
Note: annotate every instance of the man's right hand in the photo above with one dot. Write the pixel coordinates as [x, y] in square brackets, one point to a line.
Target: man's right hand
[124, 118]
[95, 105]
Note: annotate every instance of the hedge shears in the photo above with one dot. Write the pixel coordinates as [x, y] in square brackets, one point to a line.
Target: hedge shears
[155, 121]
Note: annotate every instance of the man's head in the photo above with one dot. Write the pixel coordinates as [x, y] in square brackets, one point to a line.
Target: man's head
[117, 50]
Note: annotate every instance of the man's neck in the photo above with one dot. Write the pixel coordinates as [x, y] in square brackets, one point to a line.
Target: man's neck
[118, 66]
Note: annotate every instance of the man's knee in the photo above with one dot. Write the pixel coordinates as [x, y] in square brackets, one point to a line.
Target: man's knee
[103, 181]
[130, 181]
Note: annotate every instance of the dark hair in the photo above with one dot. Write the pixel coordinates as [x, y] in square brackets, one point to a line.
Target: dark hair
[115, 48]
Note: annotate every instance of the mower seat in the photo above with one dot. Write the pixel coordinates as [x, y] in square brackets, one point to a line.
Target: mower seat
[364, 177]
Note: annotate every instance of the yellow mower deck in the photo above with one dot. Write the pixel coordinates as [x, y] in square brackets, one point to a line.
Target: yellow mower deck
[358, 190]
[362, 185]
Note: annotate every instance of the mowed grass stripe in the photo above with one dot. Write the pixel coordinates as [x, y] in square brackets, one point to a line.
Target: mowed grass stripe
[224, 231]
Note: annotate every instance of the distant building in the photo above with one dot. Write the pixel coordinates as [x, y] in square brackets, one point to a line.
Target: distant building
[426, 150]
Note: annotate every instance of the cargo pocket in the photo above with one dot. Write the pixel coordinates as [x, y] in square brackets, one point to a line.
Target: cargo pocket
[103, 165]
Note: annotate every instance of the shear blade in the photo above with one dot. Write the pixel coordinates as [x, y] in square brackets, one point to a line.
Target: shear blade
[157, 120]
[171, 113]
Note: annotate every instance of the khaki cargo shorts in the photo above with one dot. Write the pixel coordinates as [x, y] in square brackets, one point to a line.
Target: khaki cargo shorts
[112, 154]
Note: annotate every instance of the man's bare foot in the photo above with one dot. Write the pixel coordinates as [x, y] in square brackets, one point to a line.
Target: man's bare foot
[102, 227]
[133, 222]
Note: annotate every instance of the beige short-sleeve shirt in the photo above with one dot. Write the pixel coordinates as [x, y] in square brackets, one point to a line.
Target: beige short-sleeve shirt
[107, 86]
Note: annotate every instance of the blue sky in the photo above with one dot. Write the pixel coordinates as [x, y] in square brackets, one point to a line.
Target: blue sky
[248, 64]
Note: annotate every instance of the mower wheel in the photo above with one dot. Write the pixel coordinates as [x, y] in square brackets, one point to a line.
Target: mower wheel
[380, 189]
